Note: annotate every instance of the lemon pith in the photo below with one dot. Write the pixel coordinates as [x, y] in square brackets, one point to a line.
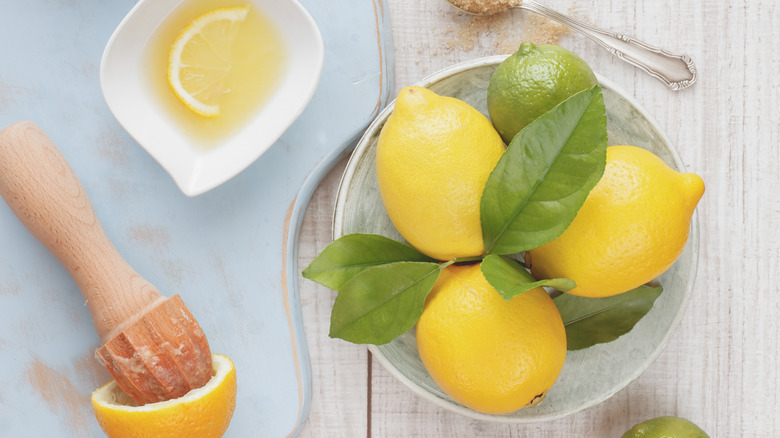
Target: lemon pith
[199, 62]
[631, 228]
[489, 354]
[434, 156]
[201, 413]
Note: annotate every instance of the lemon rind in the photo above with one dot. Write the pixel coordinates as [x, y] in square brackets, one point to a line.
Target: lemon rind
[221, 364]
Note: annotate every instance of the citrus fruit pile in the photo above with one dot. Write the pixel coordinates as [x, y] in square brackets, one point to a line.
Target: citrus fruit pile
[434, 156]
[499, 207]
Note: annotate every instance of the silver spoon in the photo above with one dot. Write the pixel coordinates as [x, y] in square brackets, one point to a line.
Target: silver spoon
[676, 71]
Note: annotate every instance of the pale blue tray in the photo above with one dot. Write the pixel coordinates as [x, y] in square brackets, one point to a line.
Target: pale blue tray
[230, 253]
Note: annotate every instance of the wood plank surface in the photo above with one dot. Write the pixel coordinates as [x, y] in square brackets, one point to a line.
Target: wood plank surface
[720, 368]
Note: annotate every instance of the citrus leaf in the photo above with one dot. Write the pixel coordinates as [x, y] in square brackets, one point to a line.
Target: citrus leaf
[382, 302]
[591, 321]
[348, 255]
[544, 176]
[510, 278]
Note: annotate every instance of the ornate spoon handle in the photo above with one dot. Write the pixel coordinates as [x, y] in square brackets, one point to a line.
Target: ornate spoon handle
[676, 71]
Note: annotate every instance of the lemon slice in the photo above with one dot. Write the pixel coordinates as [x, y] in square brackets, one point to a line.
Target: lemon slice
[200, 59]
[201, 413]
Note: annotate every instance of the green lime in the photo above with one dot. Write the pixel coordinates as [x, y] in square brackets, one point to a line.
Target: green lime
[666, 427]
[531, 82]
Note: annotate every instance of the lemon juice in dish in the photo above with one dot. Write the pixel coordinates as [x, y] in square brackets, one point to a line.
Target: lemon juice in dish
[212, 64]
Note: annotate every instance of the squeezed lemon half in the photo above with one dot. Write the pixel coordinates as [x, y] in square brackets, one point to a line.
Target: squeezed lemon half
[201, 413]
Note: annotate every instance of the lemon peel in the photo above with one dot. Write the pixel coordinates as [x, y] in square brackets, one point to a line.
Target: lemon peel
[434, 156]
[531, 82]
[631, 228]
[201, 413]
[489, 354]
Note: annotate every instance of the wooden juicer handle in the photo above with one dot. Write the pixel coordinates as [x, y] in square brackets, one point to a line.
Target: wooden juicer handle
[152, 346]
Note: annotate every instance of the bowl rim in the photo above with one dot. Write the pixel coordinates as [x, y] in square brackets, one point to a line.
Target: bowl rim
[454, 406]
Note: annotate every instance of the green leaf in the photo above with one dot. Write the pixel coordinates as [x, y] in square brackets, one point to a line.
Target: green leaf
[382, 302]
[510, 278]
[591, 321]
[544, 176]
[350, 254]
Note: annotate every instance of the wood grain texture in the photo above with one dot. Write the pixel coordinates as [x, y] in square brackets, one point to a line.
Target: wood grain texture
[152, 346]
[720, 368]
[46, 195]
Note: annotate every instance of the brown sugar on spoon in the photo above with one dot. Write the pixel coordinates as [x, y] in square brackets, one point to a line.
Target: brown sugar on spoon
[485, 7]
[152, 345]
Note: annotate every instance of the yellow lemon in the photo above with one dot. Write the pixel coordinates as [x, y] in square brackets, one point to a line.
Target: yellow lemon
[199, 64]
[433, 158]
[201, 413]
[632, 227]
[489, 354]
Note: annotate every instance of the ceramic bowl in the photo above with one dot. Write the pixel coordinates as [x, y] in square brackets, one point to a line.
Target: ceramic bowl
[197, 169]
[589, 376]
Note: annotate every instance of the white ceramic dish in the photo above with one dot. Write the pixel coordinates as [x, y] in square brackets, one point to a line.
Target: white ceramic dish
[195, 169]
[589, 376]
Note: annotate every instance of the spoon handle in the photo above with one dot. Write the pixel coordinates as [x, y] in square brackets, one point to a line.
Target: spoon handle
[676, 71]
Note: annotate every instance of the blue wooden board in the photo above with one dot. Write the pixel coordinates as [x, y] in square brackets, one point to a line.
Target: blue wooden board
[230, 253]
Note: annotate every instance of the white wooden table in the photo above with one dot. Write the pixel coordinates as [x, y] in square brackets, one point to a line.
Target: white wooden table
[720, 369]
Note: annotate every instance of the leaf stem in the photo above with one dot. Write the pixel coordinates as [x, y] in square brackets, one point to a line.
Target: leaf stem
[445, 264]
[465, 260]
